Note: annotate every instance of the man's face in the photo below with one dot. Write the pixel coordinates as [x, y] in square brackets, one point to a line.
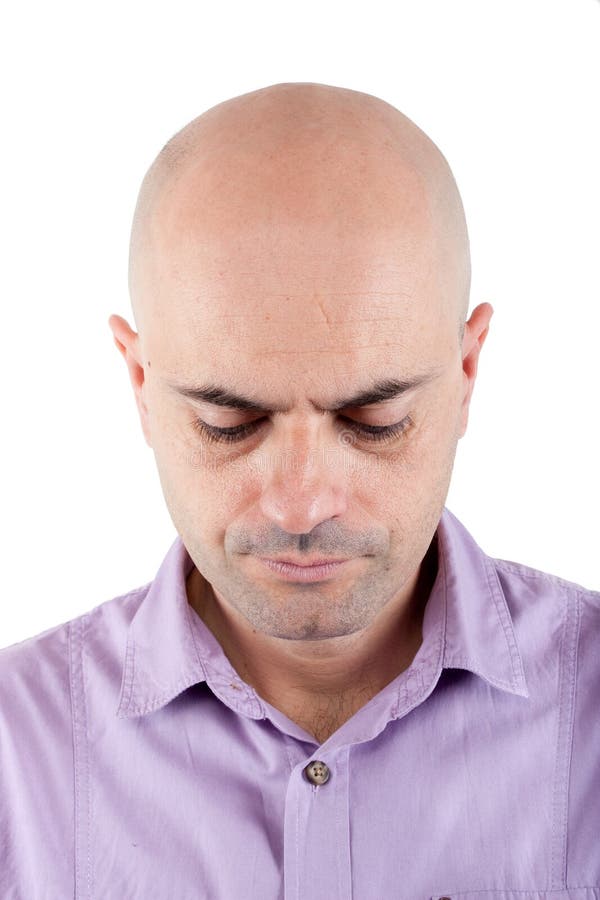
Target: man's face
[294, 310]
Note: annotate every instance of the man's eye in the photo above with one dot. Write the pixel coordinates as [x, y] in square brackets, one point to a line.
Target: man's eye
[239, 432]
[378, 432]
[224, 435]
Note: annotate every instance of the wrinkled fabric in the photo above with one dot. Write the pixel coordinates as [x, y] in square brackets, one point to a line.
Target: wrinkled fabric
[136, 763]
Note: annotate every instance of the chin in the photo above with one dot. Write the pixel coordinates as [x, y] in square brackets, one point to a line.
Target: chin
[312, 631]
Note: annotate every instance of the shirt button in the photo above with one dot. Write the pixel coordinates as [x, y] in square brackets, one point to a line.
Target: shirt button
[317, 772]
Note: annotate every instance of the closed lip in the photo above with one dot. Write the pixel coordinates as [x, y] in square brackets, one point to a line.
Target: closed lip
[303, 563]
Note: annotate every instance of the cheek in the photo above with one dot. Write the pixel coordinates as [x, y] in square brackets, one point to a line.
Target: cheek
[417, 472]
[212, 489]
[184, 470]
[425, 445]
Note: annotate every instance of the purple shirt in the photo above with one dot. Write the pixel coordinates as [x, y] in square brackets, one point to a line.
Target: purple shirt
[136, 763]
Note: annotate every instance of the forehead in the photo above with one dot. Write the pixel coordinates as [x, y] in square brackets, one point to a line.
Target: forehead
[295, 295]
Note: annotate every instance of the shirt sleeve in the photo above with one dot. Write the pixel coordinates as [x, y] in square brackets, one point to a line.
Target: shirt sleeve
[36, 769]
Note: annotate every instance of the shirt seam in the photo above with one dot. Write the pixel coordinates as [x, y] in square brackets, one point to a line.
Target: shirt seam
[508, 890]
[297, 847]
[82, 820]
[128, 665]
[342, 822]
[407, 699]
[472, 665]
[188, 619]
[157, 701]
[537, 574]
[564, 740]
[504, 617]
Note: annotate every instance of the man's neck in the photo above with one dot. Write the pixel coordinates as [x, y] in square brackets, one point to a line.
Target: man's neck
[321, 684]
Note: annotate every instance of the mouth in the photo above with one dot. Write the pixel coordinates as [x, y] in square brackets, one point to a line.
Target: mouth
[318, 570]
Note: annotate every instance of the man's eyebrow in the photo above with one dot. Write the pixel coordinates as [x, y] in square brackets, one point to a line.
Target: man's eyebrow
[377, 392]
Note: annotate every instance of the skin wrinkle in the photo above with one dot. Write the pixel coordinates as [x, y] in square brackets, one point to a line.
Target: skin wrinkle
[297, 242]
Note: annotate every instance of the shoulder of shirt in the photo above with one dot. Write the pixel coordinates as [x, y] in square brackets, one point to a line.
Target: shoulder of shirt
[546, 580]
[52, 644]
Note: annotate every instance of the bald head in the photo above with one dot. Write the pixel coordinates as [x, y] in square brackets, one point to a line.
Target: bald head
[289, 161]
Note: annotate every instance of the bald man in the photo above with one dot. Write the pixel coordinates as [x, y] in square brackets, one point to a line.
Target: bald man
[329, 690]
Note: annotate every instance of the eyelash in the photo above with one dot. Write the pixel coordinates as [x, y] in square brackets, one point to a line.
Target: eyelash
[239, 432]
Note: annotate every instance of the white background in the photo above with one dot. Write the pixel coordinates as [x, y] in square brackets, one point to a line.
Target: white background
[91, 92]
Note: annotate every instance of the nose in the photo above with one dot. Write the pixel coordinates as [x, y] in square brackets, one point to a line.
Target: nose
[304, 485]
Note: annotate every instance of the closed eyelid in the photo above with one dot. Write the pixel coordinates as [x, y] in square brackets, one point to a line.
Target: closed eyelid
[238, 433]
[356, 415]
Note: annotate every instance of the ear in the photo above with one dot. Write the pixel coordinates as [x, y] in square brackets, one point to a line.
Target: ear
[476, 330]
[128, 343]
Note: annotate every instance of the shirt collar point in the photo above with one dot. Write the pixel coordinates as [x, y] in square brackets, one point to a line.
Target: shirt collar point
[150, 703]
[521, 689]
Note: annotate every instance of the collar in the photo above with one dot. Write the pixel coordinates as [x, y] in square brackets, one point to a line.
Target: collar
[169, 648]
[479, 633]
